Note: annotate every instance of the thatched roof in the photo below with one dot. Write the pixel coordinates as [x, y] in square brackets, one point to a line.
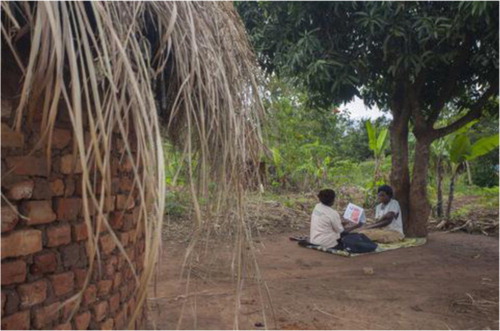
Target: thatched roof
[133, 66]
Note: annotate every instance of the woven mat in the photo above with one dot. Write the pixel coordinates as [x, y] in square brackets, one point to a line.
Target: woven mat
[405, 243]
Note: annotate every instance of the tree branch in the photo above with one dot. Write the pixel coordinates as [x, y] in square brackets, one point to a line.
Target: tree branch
[474, 113]
[451, 82]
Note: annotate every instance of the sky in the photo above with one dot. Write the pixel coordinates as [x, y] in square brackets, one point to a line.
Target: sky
[358, 110]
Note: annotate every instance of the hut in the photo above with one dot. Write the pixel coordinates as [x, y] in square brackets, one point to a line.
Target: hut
[89, 92]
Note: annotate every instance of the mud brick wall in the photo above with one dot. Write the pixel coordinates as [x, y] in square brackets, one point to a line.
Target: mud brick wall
[44, 256]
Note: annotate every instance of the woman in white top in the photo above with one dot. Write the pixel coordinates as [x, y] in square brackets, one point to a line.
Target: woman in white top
[388, 227]
[326, 225]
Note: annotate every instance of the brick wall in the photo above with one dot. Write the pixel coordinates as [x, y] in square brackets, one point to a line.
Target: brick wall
[44, 254]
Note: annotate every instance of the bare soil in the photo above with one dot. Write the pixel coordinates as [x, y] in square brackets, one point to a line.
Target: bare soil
[449, 283]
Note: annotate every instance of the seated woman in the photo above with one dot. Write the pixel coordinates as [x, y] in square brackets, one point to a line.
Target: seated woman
[388, 227]
[326, 225]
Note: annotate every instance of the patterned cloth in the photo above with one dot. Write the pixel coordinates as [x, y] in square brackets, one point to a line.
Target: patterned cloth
[405, 243]
[383, 236]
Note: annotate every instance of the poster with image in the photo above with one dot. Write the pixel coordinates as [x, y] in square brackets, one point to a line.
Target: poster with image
[355, 214]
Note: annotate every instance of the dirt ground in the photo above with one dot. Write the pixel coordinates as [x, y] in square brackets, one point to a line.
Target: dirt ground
[449, 283]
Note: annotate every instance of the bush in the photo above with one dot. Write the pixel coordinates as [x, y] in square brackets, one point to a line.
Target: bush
[484, 170]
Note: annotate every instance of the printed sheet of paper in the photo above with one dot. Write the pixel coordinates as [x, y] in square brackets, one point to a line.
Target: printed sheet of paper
[355, 214]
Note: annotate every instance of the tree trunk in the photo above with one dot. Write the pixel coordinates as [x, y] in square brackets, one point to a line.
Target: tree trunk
[439, 205]
[400, 174]
[420, 208]
[469, 175]
[450, 195]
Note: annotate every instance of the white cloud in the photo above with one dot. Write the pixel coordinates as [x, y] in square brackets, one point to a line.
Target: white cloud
[358, 110]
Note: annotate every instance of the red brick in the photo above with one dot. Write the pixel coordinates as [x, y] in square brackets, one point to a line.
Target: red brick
[109, 204]
[115, 164]
[114, 302]
[12, 302]
[113, 260]
[44, 263]
[10, 218]
[124, 292]
[116, 220]
[61, 138]
[27, 165]
[23, 242]
[109, 271]
[82, 321]
[68, 209]
[32, 293]
[64, 326]
[90, 294]
[121, 261]
[126, 164]
[17, 321]
[126, 184]
[107, 324]
[38, 212]
[57, 187]
[80, 275]
[120, 145]
[104, 287]
[68, 308]
[100, 221]
[58, 235]
[130, 252]
[43, 190]
[45, 316]
[11, 138]
[87, 139]
[107, 244]
[131, 307]
[129, 221]
[100, 310]
[69, 186]
[63, 283]
[21, 190]
[124, 238]
[70, 165]
[120, 320]
[124, 202]
[71, 255]
[117, 281]
[13, 272]
[80, 232]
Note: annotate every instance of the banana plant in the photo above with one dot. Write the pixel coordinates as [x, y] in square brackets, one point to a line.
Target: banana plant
[377, 142]
[461, 150]
[439, 157]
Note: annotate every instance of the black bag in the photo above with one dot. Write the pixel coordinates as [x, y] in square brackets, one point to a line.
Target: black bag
[356, 243]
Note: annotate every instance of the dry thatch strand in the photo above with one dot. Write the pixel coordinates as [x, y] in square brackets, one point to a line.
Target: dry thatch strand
[115, 66]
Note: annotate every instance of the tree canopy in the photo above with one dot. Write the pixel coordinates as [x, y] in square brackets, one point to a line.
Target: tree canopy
[337, 50]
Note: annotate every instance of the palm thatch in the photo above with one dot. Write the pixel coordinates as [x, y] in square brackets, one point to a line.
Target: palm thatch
[127, 68]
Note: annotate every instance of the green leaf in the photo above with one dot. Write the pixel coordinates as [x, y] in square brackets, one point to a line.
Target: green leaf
[276, 156]
[460, 148]
[381, 140]
[372, 139]
[483, 146]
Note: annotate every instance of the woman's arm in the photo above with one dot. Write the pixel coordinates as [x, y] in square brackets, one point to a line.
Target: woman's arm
[383, 221]
[354, 227]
